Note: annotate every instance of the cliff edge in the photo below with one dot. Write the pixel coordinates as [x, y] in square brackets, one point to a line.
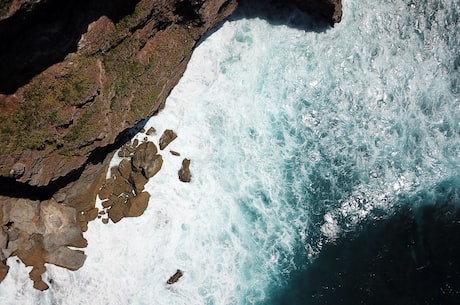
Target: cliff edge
[77, 78]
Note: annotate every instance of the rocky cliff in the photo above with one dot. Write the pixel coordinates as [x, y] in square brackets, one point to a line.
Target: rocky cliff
[76, 77]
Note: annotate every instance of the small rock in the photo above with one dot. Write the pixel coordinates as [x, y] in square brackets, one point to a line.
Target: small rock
[105, 221]
[184, 172]
[174, 153]
[135, 142]
[175, 277]
[167, 137]
[17, 170]
[146, 160]
[151, 131]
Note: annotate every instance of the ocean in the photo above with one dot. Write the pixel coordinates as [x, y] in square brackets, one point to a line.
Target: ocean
[325, 170]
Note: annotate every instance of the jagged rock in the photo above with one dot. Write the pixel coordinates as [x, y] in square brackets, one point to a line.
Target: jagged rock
[175, 277]
[167, 137]
[150, 131]
[137, 205]
[67, 258]
[146, 160]
[184, 172]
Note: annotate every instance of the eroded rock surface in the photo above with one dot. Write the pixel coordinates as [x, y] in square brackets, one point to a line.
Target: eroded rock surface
[39, 232]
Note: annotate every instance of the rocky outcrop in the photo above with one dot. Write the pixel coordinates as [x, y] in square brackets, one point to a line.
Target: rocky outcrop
[71, 91]
[38, 233]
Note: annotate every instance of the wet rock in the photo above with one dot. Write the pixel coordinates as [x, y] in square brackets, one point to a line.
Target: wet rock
[175, 277]
[116, 212]
[138, 181]
[125, 168]
[146, 160]
[184, 172]
[174, 153]
[67, 258]
[151, 131]
[91, 214]
[167, 137]
[137, 205]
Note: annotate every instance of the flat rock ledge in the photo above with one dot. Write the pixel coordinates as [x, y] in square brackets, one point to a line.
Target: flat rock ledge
[39, 232]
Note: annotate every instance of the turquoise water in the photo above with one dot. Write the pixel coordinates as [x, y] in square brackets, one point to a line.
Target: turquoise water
[325, 170]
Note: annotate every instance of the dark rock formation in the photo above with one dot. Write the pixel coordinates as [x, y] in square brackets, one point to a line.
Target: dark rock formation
[184, 172]
[331, 10]
[175, 277]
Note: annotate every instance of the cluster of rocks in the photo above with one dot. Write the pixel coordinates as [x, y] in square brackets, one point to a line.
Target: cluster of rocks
[39, 232]
[123, 193]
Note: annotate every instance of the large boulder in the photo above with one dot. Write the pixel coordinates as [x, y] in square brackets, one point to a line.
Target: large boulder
[146, 160]
[137, 205]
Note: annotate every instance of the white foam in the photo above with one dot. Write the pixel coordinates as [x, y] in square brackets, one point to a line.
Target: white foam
[282, 126]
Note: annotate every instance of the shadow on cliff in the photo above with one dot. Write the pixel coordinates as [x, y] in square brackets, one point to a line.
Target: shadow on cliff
[33, 40]
[276, 13]
[409, 258]
[9, 187]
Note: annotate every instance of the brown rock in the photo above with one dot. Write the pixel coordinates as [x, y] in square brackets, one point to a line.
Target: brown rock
[167, 137]
[3, 270]
[117, 212]
[151, 131]
[67, 258]
[106, 189]
[124, 168]
[61, 227]
[174, 153]
[91, 214]
[17, 171]
[138, 181]
[184, 172]
[146, 160]
[137, 205]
